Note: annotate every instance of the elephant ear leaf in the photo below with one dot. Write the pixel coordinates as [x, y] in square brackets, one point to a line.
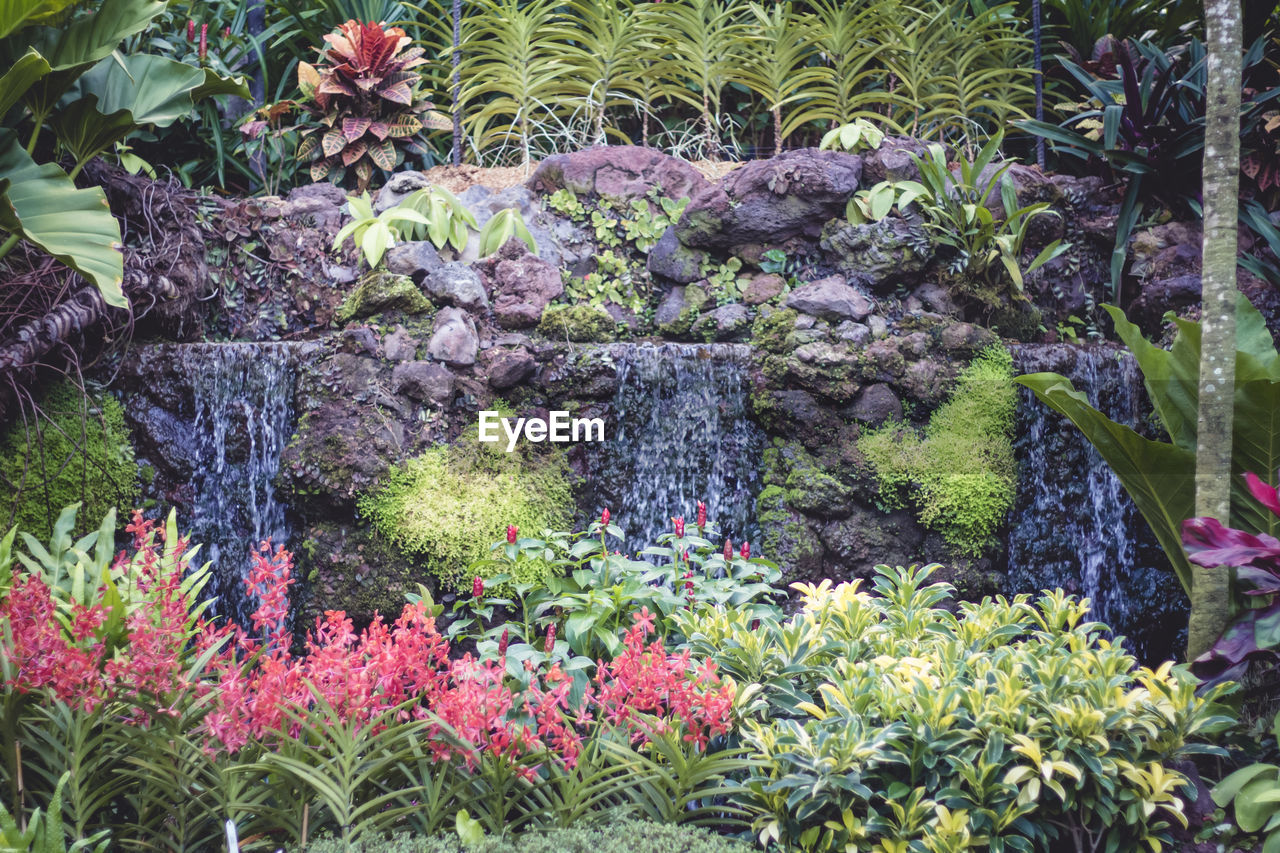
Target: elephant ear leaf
[42, 205]
[20, 77]
[16, 14]
[1159, 477]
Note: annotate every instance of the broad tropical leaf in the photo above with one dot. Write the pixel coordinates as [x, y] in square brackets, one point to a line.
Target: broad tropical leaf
[74, 225]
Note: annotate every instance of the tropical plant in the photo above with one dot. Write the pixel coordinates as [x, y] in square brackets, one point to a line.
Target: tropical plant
[850, 40]
[501, 227]
[1255, 216]
[62, 72]
[876, 202]
[624, 836]
[43, 833]
[957, 213]
[1082, 24]
[775, 64]
[366, 103]
[374, 233]
[854, 137]
[1160, 475]
[1253, 795]
[605, 61]
[884, 720]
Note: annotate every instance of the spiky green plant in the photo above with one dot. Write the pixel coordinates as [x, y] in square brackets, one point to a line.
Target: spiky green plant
[610, 40]
[776, 64]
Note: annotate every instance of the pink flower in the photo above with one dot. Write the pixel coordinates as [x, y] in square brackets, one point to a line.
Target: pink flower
[702, 515]
[502, 643]
[550, 644]
[191, 30]
[604, 516]
[746, 551]
[728, 551]
[204, 41]
[678, 521]
[477, 587]
[512, 532]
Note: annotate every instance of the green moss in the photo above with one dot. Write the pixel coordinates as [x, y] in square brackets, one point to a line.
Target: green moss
[78, 450]
[382, 291]
[960, 472]
[771, 333]
[785, 536]
[450, 504]
[627, 836]
[694, 298]
[581, 323]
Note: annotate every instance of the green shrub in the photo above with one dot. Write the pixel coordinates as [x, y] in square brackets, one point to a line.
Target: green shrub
[628, 836]
[887, 722]
[960, 473]
[76, 451]
[579, 323]
[449, 504]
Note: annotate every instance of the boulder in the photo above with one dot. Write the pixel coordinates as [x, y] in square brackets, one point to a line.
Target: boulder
[678, 309]
[416, 259]
[522, 285]
[856, 334]
[507, 368]
[787, 538]
[671, 259]
[381, 291]
[459, 285]
[892, 161]
[399, 345]
[559, 241]
[768, 201]
[618, 173]
[878, 255]
[398, 186]
[425, 381]
[762, 287]
[932, 296]
[453, 339]
[876, 404]
[857, 544]
[831, 299]
[322, 203]
[727, 323]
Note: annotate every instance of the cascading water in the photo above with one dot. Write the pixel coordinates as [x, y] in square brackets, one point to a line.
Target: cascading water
[682, 433]
[243, 417]
[1073, 525]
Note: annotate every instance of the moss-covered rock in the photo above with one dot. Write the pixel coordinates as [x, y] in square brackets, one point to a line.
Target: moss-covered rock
[450, 503]
[76, 450]
[344, 566]
[382, 291]
[771, 332]
[786, 537]
[678, 311]
[582, 323]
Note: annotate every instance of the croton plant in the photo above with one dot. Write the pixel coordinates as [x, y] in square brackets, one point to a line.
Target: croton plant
[1255, 632]
[366, 102]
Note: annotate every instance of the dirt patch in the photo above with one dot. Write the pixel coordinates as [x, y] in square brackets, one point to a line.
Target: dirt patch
[455, 179]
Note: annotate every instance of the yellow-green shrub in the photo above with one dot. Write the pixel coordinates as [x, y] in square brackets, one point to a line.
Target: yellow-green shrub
[451, 503]
[77, 450]
[960, 472]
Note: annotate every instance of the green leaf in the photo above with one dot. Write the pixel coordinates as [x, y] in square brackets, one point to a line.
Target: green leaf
[15, 14]
[15, 82]
[39, 202]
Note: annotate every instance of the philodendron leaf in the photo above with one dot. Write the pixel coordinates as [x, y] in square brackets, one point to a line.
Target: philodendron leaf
[39, 202]
[20, 77]
[1159, 477]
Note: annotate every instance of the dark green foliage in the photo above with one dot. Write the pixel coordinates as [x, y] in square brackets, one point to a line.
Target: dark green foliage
[76, 450]
[618, 837]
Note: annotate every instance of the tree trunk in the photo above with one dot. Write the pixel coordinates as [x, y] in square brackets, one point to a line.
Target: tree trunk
[777, 131]
[1211, 588]
[456, 87]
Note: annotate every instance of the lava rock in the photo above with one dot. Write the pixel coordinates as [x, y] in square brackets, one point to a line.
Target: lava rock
[678, 310]
[763, 287]
[876, 404]
[454, 340]
[508, 368]
[857, 544]
[892, 161]
[618, 173]
[878, 255]
[424, 381]
[381, 291]
[323, 203]
[397, 187]
[458, 285]
[856, 334]
[399, 345]
[831, 299]
[522, 285]
[671, 259]
[726, 323]
[416, 259]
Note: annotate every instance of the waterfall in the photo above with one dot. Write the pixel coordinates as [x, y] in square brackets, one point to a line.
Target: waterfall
[1072, 524]
[243, 415]
[682, 433]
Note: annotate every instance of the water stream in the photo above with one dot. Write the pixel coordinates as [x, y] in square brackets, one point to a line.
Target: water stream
[1073, 525]
[682, 433]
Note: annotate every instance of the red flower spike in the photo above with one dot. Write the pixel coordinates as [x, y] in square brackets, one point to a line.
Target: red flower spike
[604, 516]
[728, 551]
[502, 644]
[746, 551]
[477, 587]
[512, 532]
[678, 521]
[204, 41]
[1269, 497]
[550, 645]
[226, 32]
[191, 30]
[702, 515]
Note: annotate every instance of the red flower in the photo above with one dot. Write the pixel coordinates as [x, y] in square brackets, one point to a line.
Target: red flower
[702, 515]
[477, 587]
[728, 551]
[502, 644]
[512, 530]
[678, 521]
[204, 41]
[604, 516]
[191, 30]
[746, 551]
[226, 32]
[550, 645]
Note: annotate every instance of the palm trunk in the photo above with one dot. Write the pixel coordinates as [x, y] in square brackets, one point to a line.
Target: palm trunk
[455, 60]
[1211, 588]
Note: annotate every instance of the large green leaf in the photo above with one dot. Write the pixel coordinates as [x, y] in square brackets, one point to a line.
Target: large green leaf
[1159, 477]
[20, 77]
[15, 14]
[39, 202]
[122, 93]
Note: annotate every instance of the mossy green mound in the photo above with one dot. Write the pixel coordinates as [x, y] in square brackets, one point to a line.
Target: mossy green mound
[960, 472]
[582, 323]
[382, 291]
[449, 505]
[76, 450]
